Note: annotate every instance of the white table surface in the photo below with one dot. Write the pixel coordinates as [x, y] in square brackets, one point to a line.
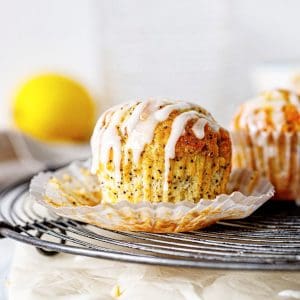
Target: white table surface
[6, 254]
[69, 277]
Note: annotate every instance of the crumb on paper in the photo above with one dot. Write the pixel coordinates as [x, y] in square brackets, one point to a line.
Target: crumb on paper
[8, 282]
[116, 291]
[66, 177]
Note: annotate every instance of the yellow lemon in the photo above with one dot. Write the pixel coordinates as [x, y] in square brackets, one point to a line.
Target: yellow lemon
[52, 107]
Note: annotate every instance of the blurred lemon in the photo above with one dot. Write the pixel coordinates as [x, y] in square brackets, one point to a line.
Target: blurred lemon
[52, 107]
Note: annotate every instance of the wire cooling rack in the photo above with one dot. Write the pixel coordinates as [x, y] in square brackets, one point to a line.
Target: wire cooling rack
[268, 240]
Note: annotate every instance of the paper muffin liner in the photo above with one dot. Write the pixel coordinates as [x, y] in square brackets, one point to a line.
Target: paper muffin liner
[73, 192]
[275, 155]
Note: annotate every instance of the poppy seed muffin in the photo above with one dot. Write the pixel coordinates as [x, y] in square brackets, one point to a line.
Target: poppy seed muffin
[160, 151]
[266, 138]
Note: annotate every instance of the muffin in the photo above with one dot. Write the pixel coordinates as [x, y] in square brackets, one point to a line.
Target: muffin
[147, 159]
[160, 151]
[266, 138]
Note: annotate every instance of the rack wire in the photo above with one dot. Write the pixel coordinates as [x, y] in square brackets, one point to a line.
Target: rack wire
[267, 240]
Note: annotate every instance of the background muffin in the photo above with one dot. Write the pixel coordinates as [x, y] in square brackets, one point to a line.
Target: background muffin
[266, 137]
[160, 151]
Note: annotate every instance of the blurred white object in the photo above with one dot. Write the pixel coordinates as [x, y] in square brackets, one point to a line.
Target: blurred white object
[276, 75]
[21, 155]
[74, 277]
[56, 153]
[16, 160]
[7, 247]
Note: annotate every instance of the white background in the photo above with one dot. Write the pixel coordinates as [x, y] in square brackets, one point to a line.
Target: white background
[195, 50]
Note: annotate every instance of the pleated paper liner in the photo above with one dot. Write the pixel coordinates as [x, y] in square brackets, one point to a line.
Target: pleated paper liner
[73, 192]
[275, 155]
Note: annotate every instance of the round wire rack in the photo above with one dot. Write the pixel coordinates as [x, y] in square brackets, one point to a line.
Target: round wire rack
[267, 240]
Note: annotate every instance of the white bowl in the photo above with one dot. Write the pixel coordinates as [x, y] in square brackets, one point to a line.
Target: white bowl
[56, 153]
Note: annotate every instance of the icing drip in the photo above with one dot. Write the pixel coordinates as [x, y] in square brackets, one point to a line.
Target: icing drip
[163, 114]
[106, 138]
[138, 130]
[178, 128]
[143, 132]
[131, 122]
[199, 126]
[96, 138]
[294, 99]
[254, 114]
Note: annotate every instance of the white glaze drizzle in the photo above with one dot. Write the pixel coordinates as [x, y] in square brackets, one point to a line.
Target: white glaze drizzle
[139, 128]
[143, 132]
[131, 122]
[199, 126]
[106, 138]
[178, 129]
[111, 141]
[254, 117]
[294, 99]
[162, 114]
[96, 138]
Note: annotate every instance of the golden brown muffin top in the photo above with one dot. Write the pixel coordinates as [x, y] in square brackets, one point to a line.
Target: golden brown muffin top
[272, 111]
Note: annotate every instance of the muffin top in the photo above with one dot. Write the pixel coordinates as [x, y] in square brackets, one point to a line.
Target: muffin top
[272, 111]
[132, 126]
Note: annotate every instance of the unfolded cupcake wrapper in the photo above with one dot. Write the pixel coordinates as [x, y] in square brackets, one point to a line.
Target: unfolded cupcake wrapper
[275, 155]
[62, 190]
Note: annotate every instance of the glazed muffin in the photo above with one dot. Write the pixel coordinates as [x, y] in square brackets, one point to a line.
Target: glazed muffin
[160, 151]
[266, 137]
